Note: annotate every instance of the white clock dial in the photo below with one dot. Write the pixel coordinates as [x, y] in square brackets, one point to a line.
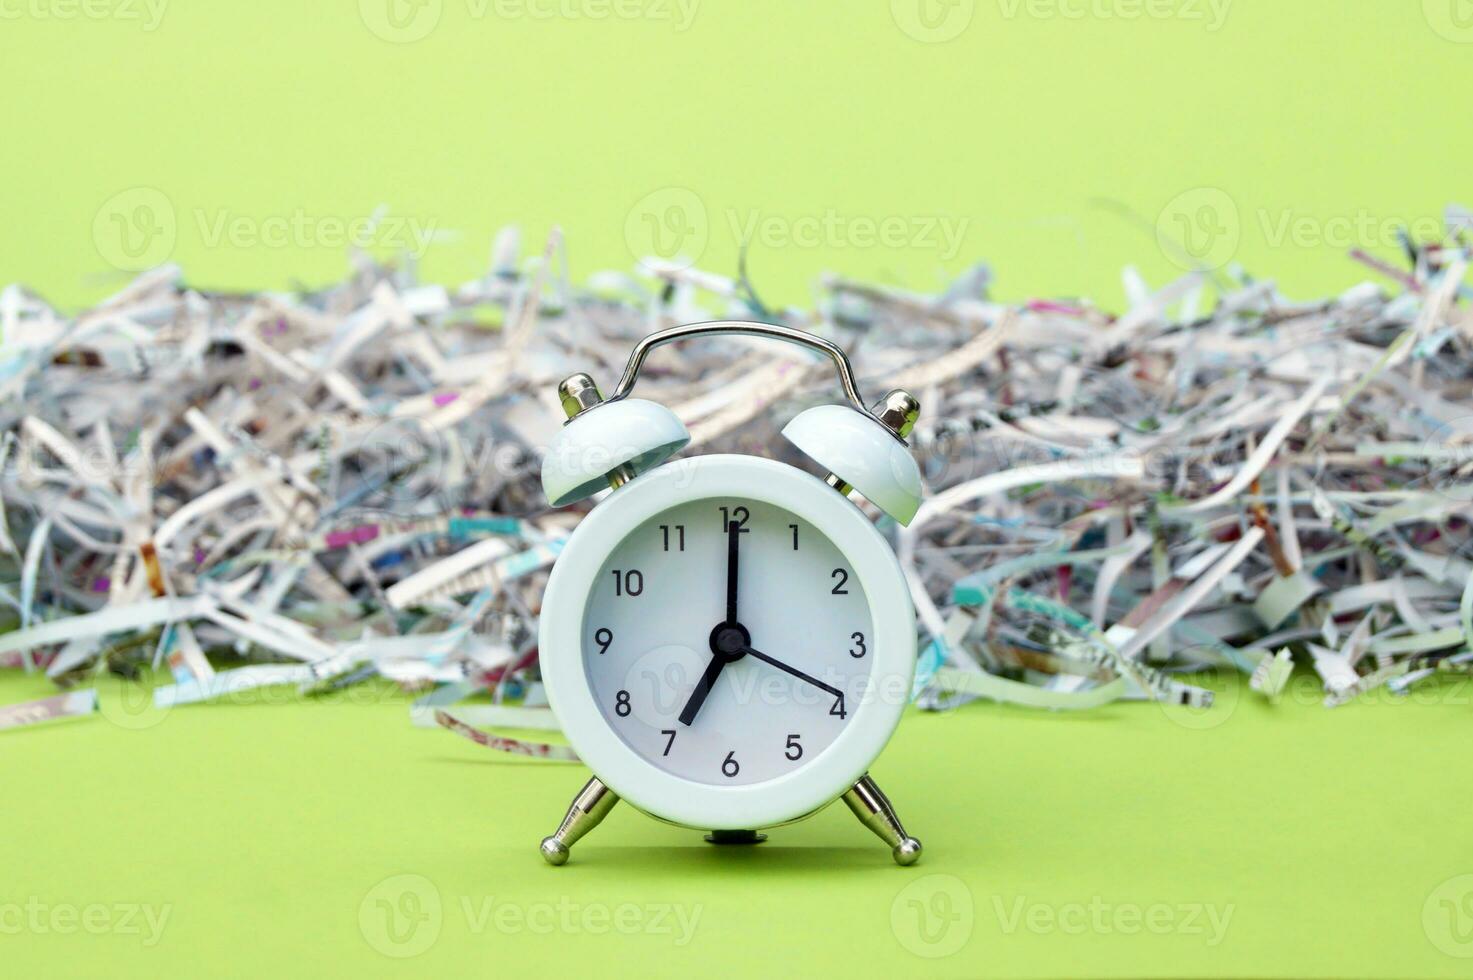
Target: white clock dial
[787, 672]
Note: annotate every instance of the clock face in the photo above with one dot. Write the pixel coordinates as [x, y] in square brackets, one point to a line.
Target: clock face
[727, 680]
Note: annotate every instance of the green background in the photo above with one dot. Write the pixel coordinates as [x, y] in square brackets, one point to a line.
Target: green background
[1315, 125]
[271, 830]
[1058, 145]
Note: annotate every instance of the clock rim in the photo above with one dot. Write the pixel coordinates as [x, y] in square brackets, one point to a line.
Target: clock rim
[641, 782]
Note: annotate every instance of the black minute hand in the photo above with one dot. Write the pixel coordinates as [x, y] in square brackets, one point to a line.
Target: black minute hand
[733, 538]
[795, 672]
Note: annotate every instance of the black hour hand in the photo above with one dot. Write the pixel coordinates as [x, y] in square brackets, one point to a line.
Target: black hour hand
[703, 688]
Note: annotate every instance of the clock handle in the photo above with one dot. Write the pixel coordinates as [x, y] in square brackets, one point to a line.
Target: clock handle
[742, 328]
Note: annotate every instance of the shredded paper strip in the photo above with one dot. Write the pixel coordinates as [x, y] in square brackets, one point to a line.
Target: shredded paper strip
[336, 487]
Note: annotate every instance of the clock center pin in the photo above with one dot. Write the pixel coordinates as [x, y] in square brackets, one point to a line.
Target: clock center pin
[730, 641]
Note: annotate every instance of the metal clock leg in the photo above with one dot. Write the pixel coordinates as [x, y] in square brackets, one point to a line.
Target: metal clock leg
[589, 807]
[873, 809]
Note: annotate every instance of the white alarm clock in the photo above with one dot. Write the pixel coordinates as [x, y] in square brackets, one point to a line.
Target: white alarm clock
[728, 641]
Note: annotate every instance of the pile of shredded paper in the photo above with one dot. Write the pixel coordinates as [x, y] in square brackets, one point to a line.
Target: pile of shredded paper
[340, 487]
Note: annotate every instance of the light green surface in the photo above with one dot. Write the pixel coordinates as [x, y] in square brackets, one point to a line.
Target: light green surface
[1294, 130]
[267, 829]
